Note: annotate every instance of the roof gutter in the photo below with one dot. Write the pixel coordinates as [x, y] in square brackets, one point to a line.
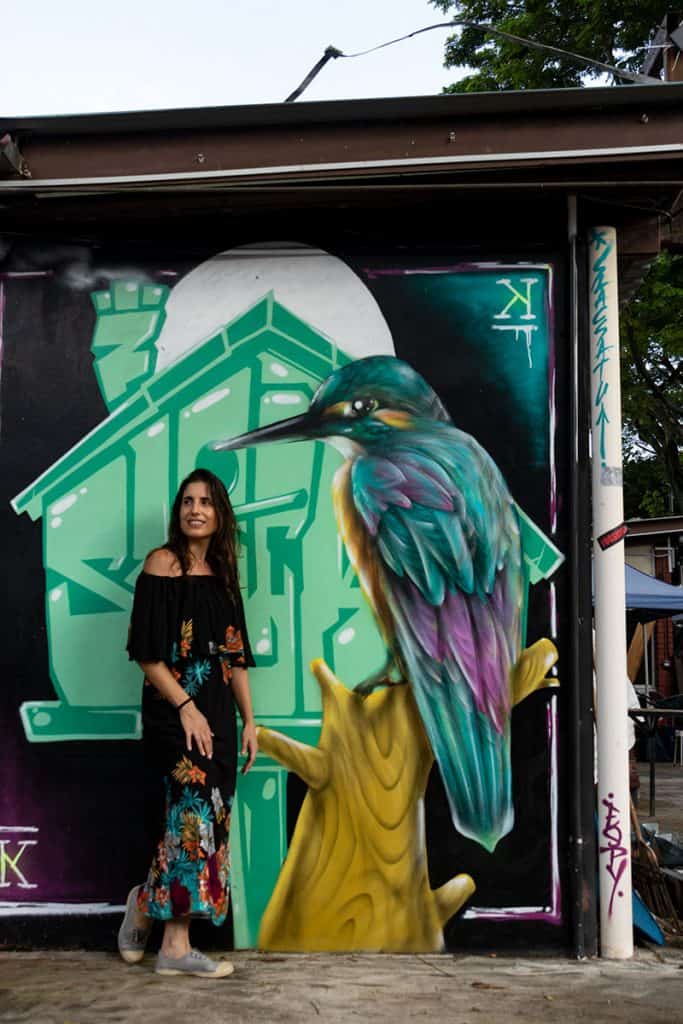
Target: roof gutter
[345, 169]
[395, 108]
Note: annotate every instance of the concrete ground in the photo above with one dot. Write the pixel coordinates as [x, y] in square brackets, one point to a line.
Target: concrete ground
[97, 988]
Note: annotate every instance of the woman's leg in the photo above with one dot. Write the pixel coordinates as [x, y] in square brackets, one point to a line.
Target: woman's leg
[134, 930]
[176, 940]
[141, 920]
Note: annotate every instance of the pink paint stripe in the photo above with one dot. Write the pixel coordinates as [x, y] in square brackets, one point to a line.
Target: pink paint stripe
[552, 401]
[451, 268]
[2, 326]
[9, 274]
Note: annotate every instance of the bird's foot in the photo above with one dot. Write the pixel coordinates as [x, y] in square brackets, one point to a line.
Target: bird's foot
[368, 686]
[388, 675]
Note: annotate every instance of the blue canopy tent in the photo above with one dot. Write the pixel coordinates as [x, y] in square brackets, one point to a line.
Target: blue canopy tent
[648, 598]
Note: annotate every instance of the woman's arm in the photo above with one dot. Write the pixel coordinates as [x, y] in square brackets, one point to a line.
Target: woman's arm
[163, 562]
[192, 720]
[242, 694]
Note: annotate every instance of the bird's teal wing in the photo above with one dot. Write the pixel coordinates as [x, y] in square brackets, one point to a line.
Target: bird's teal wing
[447, 539]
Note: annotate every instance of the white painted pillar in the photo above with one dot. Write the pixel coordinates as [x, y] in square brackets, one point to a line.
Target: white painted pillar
[614, 839]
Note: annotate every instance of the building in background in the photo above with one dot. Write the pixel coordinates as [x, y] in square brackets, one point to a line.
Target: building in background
[655, 546]
[450, 231]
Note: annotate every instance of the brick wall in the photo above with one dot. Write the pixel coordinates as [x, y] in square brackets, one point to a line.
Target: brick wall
[664, 635]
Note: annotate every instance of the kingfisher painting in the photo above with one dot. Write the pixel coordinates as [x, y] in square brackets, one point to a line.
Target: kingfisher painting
[433, 535]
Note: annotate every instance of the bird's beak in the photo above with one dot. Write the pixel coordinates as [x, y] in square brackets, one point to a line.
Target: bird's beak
[296, 428]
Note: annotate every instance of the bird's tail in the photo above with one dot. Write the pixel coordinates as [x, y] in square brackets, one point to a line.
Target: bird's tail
[473, 757]
[472, 754]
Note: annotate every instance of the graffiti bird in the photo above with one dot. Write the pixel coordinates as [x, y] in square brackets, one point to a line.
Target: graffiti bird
[433, 534]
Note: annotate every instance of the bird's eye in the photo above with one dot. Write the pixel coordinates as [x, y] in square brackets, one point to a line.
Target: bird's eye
[362, 406]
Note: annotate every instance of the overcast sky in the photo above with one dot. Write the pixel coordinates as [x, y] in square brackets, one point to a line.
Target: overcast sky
[72, 56]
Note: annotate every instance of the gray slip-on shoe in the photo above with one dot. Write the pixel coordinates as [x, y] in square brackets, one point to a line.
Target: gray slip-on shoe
[131, 939]
[194, 963]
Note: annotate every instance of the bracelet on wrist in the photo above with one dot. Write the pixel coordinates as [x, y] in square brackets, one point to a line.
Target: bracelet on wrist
[179, 707]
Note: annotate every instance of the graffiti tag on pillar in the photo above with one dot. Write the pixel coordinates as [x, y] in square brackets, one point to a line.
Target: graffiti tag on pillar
[600, 325]
[611, 476]
[13, 866]
[524, 330]
[617, 861]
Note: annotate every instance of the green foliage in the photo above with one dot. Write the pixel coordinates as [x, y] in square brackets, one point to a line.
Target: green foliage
[652, 389]
[604, 30]
[646, 493]
[652, 323]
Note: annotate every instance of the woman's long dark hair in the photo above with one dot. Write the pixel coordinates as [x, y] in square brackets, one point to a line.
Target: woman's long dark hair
[223, 549]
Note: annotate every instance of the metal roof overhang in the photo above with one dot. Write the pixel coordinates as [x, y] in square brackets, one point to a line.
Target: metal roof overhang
[654, 527]
[301, 114]
[630, 137]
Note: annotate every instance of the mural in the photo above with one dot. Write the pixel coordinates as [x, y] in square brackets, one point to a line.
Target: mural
[429, 666]
[433, 534]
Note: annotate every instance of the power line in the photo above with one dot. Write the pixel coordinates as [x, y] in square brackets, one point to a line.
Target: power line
[333, 53]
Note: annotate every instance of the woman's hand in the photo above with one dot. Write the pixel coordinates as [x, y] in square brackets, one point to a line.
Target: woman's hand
[249, 745]
[196, 728]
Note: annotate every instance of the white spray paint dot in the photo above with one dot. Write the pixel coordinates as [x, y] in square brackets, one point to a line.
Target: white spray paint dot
[287, 398]
[63, 504]
[347, 635]
[155, 429]
[209, 400]
[57, 521]
[56, 594]
[279, 370]
[263, 647]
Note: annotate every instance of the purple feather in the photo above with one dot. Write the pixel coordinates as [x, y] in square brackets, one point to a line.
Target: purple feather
[425, 488]
[418, 616]
[377, 484]
[430, 548]
[470, 635]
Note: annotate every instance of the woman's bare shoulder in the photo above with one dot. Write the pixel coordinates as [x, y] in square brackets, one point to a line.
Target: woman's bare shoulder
[162, 562]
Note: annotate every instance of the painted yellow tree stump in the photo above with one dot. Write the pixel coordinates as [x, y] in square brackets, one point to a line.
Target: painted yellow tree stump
[356, 876]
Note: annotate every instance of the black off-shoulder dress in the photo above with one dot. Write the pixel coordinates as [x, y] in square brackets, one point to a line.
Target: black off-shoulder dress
[197, 628]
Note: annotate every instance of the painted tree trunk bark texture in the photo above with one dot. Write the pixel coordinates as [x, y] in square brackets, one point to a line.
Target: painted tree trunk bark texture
[356, 875]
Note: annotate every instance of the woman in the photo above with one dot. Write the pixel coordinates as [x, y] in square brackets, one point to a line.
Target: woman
[189, 637]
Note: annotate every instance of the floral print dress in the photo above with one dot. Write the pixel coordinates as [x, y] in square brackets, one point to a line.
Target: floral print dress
[197, 628]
